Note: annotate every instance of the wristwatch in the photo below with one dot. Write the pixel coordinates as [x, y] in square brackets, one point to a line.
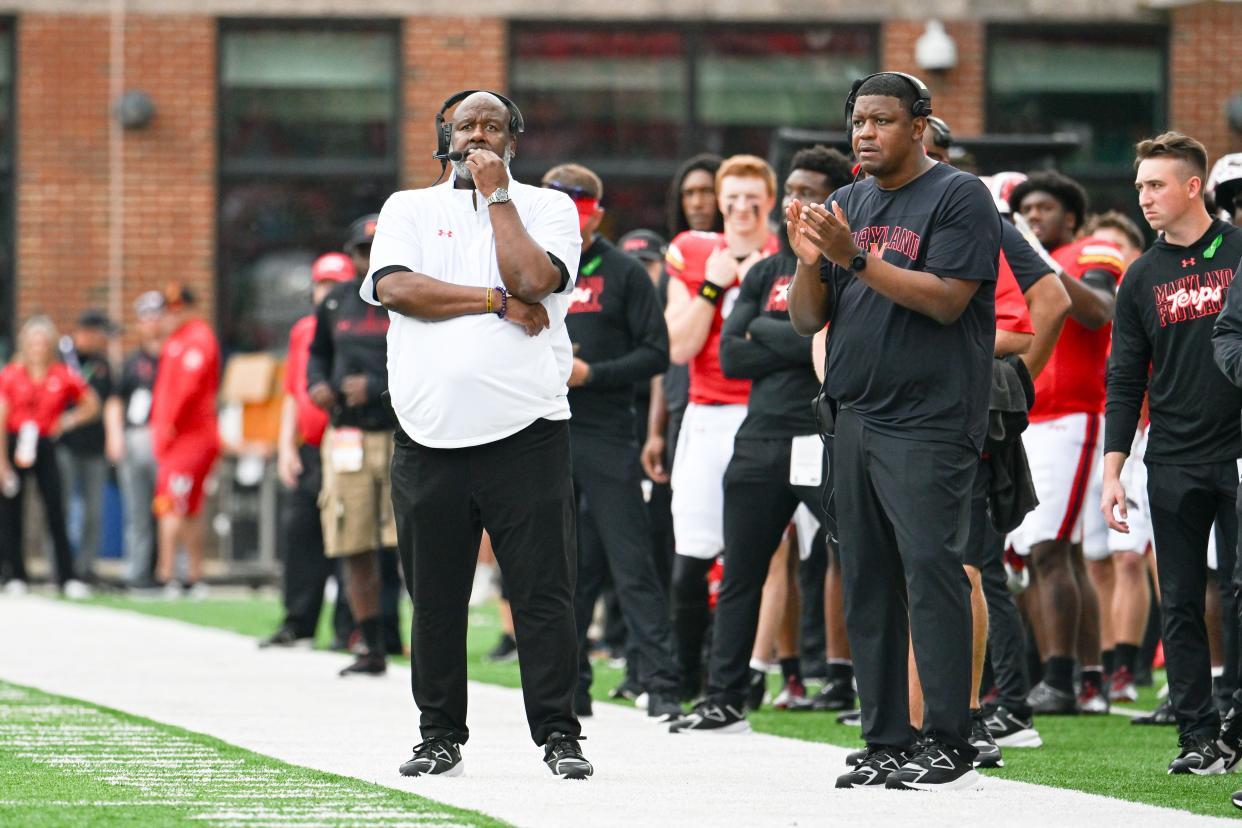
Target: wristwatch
[859, 262]
[499, 196]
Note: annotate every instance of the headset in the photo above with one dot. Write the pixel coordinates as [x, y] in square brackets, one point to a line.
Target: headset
[921, 108]
[444, 129]
[942, 136]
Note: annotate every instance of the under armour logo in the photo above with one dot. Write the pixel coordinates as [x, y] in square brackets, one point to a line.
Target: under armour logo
[448, 233]
[1188, 262]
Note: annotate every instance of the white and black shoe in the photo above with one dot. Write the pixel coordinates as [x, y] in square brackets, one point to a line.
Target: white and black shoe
[1008, 729]
[854, 757]
[1202, 757]
[981, 739]
[935, 767]
[436, 756]
[836, 695]
[709, 717]
[1049, 701]
[563, 756]
[1236, 799]
[664, 707]
[1231, 739]
[850, 717]
[872, 767]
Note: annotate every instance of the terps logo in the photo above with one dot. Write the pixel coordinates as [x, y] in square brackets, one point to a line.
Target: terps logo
[586, 295]
[1192, 297]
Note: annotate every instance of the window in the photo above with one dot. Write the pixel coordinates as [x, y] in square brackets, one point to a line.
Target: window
[1105, 86]
[8, 284]
[308, 143]
[631, 102]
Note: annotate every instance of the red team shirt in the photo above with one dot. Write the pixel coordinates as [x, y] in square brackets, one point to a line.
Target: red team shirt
[312, 420]
[184, 434]
[1073, 380]
[1011, 311]
[39, 402]
[686, 261]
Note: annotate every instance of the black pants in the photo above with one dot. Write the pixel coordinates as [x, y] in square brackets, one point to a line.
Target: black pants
[47, 474]
[1185, 501]
[1006, 635]
[306, 567]
[614, 539]
[903, 511]
[520, 490]
[758, 504]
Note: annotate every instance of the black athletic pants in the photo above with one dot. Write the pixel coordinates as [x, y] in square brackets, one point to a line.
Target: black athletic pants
[759, 502]
[903, 510]
[1185, 500]
[1006, 635]
[614, 538]
[306, 566]
[47, 474]
[520, 490]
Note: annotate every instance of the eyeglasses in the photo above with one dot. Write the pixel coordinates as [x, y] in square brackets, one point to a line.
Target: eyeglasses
[576, 193]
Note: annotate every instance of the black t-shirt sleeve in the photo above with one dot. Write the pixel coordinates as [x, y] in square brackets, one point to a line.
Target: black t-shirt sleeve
[1227, 335]
[965, 241]
[319, 359]
[1027, 266]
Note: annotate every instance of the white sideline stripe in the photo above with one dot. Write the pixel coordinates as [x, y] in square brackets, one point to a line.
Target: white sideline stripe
[290, 705]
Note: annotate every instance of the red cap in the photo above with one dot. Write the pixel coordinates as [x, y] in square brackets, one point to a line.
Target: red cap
[333, 267]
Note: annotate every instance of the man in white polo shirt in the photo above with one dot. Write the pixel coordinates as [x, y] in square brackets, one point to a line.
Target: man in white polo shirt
[475, 274]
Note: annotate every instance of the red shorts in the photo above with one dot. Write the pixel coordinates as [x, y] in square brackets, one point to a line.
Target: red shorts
[180, 478]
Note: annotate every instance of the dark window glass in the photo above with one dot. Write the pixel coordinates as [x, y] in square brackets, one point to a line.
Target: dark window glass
[308, 121]
[632, 102]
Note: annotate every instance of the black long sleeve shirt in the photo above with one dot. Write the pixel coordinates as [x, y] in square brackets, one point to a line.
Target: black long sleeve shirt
[758, 343]
[1227, 335]
[351, 337]
[616, 327]
[1166, 307]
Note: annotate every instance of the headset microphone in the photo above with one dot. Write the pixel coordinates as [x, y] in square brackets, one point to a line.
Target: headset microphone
[450, 156]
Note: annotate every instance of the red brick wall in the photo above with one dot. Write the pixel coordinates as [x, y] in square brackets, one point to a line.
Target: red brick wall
[958, 94]
[1204, 70]
[444, 55]
[63, 164]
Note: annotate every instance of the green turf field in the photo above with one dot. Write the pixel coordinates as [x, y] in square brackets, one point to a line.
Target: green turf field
[64, 762]
[1101, 755]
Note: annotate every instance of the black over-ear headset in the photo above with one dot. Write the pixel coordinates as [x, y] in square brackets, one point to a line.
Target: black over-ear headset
[921, 108]
[444, 129]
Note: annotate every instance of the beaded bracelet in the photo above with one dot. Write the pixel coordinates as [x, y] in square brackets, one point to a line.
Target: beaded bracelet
[504, 302]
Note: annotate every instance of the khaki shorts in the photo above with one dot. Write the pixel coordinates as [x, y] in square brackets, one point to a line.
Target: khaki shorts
[355, 503]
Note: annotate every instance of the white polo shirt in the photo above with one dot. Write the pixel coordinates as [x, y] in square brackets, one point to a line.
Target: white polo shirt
[473, 379]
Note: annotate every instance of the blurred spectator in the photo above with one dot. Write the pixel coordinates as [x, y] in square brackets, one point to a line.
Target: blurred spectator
[184, 433]
[1117, 228]
[80, 450]
[40, 398]
[300, 467]
[128, 411]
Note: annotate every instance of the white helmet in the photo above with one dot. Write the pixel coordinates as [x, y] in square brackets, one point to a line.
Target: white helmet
[1225, 181]
[1001, 185]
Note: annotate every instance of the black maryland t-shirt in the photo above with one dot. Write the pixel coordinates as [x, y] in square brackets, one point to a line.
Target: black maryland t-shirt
[1027, 266]
[138, 379]
[904, 373]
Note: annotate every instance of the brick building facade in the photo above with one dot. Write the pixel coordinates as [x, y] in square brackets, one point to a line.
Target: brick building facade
[69, 232]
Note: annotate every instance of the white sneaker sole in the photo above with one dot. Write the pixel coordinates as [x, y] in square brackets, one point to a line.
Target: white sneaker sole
[1217, 768]
[1028, 738]
[456, 770]
[734, 729]
[969, 781]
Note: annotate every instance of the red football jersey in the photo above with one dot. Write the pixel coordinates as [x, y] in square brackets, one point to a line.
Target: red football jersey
[1073, 380]
[39, 402]
[312, 420]
[183, 402]
[1011, 311]
[686, 261]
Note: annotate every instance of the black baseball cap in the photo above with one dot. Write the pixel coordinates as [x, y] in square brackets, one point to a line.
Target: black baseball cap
[362, 231]
[96, 319]
[644, 245]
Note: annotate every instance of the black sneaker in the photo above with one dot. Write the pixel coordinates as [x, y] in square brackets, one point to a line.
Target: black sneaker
[436, 757]
[874, 766]
[1162, 715]
[505, 649]
[1231, 738]
[709, 717]
[935, 767]
[626, 690]
[850, 717]
[367, 664]
[1199, 756]
[1047, 700]
[837, 694]
[286, 636]
[854, 757]
[981, 739]
[563, 756]
[1008, 729]
[756, 689]
[663, 706]
[1236, 799]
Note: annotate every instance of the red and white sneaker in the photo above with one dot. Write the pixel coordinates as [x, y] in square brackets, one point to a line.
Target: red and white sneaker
[1121, 688]
[792, 696]
[1092, 699]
